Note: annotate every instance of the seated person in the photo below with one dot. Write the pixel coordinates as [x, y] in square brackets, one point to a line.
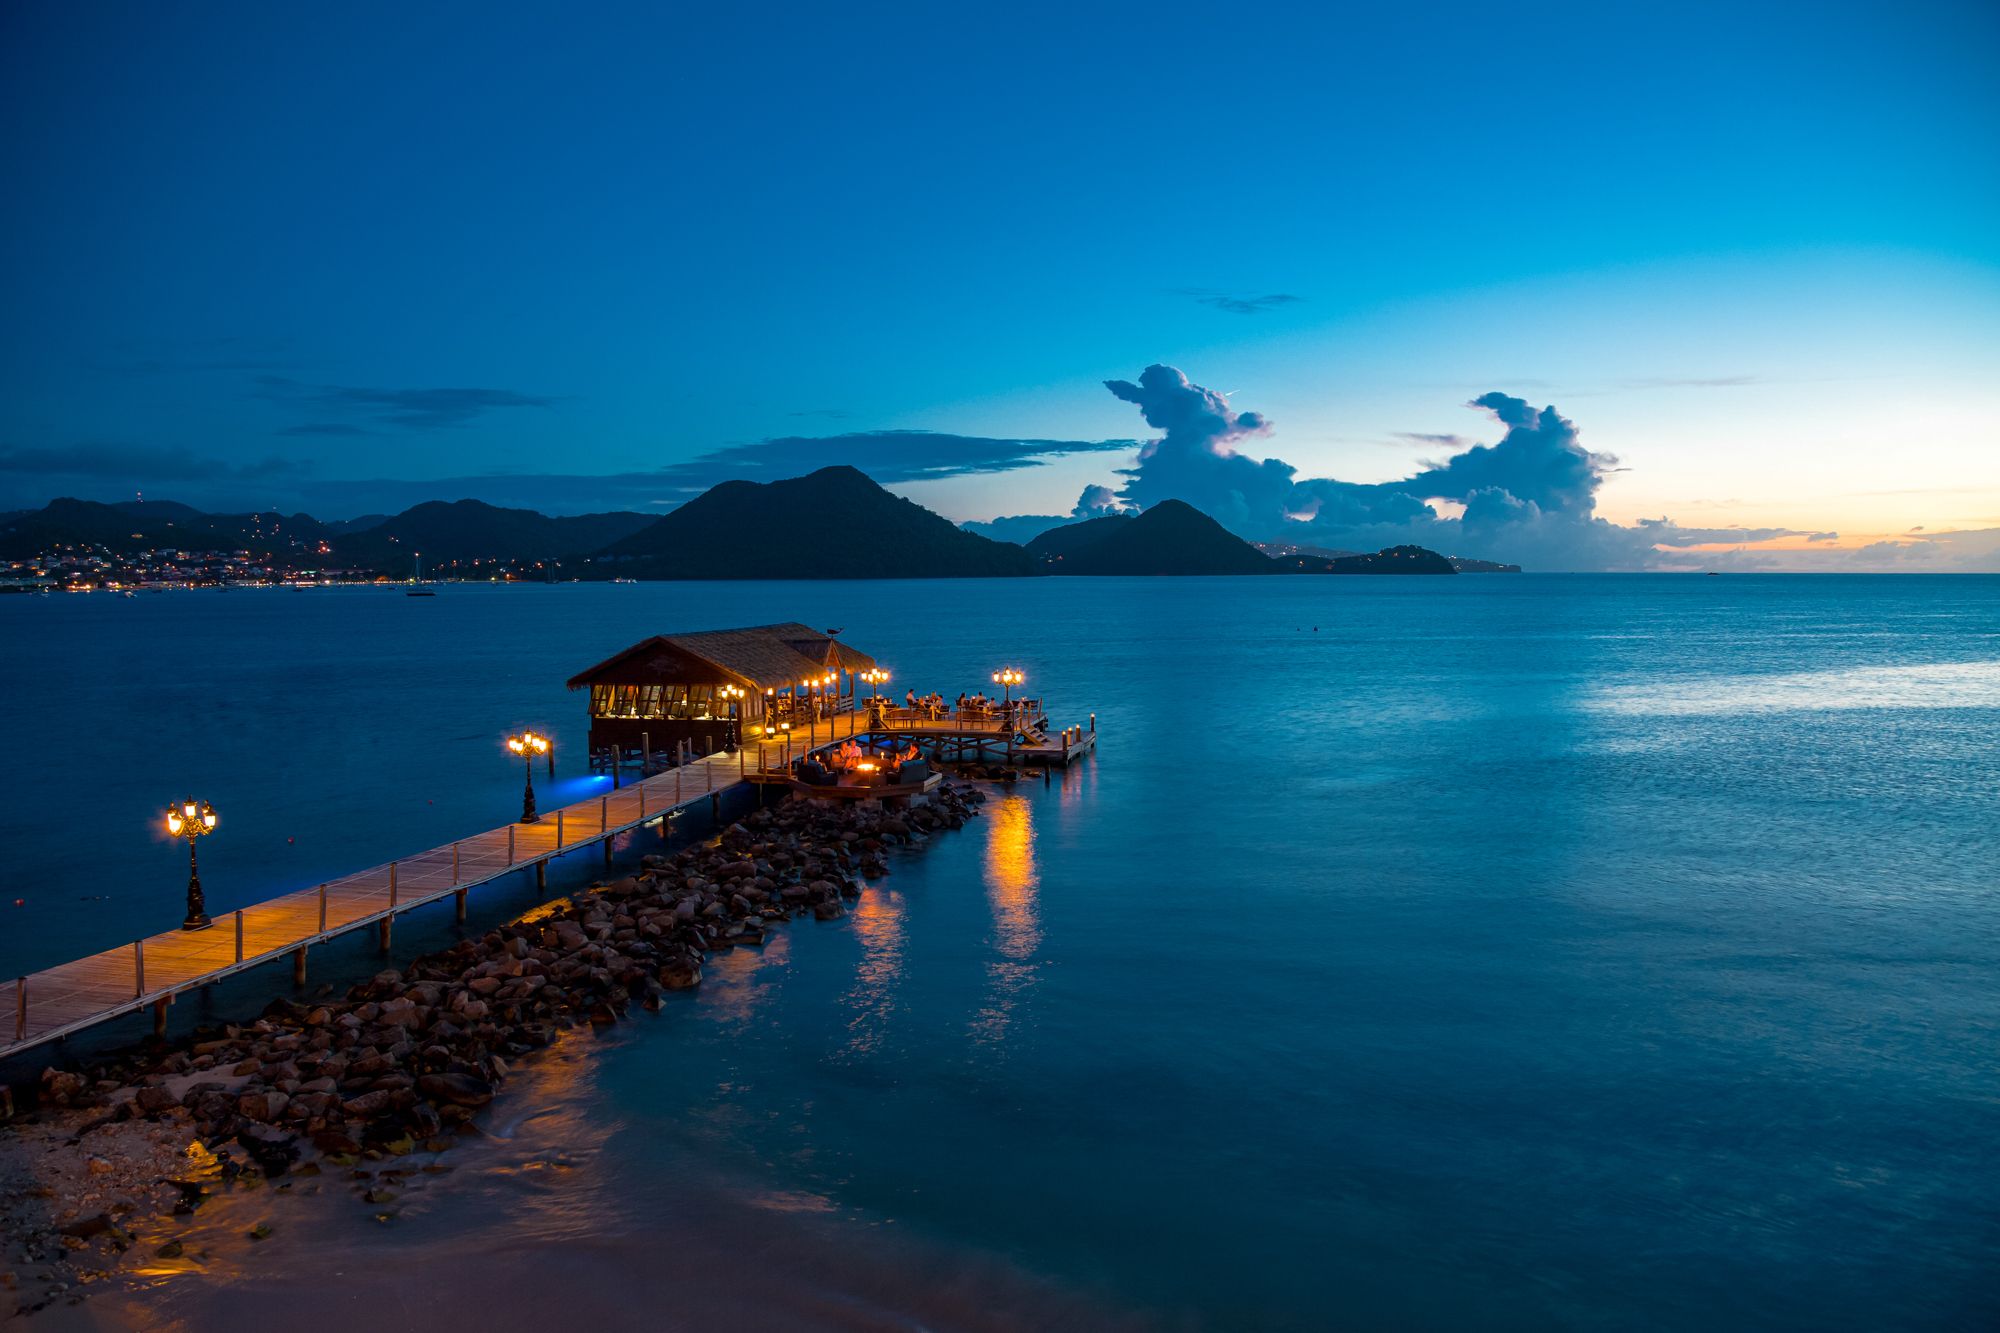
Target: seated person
[813, 773]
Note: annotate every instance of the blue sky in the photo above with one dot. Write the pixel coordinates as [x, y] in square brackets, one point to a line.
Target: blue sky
[344, 260]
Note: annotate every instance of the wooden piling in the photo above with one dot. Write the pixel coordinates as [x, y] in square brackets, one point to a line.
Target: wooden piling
[322, 909]
[138, 968]
[559, 830]
[239, 935]
[392, 885]
[454, 863]
[541, 875]
[510, 844]
[21, 1009]
[384, 928]
[299, 966]
[160, 1015]
[459, 905]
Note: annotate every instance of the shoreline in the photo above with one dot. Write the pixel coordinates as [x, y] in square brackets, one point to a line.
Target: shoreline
[376, 1086]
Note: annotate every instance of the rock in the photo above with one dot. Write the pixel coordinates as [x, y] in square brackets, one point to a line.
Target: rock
[98, 1166]
[86, 1227]
[457, 1089]
[400, 1013]
[334, 1141]
[60, 1087]
[155, 1099]
[173, 1249]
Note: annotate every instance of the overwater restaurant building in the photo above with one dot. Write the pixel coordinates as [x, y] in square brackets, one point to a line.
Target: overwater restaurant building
[671, 688]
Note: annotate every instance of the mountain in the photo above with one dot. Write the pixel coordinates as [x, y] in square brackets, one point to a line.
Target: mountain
[129, 526]
[453, 536]
[832, 524]
[1392, 560]
[1170, 538]
[1467, 565]
[1060, 542]
[361, 524]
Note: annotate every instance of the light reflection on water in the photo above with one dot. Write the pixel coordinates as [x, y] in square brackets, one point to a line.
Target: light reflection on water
[878, 923]
[1923, 685]
[1012, 883]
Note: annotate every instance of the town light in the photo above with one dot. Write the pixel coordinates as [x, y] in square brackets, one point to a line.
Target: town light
[192, 819]
[528, 744]
[1007, 678]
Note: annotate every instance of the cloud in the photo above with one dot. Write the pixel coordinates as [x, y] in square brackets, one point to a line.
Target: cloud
[136, 463]
[137, 366]
[412, 409]
[106, 471]
[1241, 305]
[891, 457]
[1433, 441]
[1708, 382]
[1531, 497]
[324, 428]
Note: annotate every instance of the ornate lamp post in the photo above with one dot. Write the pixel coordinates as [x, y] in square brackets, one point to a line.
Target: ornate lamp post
[734, 695]
[874, 676]
[192, 819]
[528, 744]
[1007, 678]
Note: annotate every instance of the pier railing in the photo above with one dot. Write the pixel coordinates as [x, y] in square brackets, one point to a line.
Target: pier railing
[56, 1001]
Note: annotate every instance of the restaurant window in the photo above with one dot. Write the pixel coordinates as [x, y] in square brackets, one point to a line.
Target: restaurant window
[600, 701]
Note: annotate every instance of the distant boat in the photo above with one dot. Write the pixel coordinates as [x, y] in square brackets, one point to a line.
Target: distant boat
[417, 588]
[624, 580]
[1714, 573]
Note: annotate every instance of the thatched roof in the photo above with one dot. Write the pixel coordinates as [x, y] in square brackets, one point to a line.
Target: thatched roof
[761, 657]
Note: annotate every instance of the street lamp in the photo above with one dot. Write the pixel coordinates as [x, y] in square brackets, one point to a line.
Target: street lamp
[1007, 678]
[528, 744]
[734, 695]
[191, 819]
[874, 676]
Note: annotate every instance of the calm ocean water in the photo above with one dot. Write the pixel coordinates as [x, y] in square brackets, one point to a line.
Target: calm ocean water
[1511, 951]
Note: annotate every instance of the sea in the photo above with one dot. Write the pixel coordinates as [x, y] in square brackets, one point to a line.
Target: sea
[1510, 951]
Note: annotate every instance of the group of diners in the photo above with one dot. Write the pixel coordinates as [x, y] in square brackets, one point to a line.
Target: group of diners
[856, 765]
[933, 708]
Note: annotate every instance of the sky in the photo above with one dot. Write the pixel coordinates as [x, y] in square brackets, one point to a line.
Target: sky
[1739, 264]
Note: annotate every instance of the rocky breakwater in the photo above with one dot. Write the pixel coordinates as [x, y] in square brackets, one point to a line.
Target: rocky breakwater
[407, 1058]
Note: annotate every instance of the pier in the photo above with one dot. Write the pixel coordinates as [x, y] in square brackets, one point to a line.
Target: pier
[149, 973]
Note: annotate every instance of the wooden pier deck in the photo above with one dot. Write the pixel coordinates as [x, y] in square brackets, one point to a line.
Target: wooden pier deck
[53, 1003]
[68, 998]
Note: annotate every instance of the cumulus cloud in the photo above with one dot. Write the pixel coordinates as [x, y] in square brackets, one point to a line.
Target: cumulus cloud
[1530, 497]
